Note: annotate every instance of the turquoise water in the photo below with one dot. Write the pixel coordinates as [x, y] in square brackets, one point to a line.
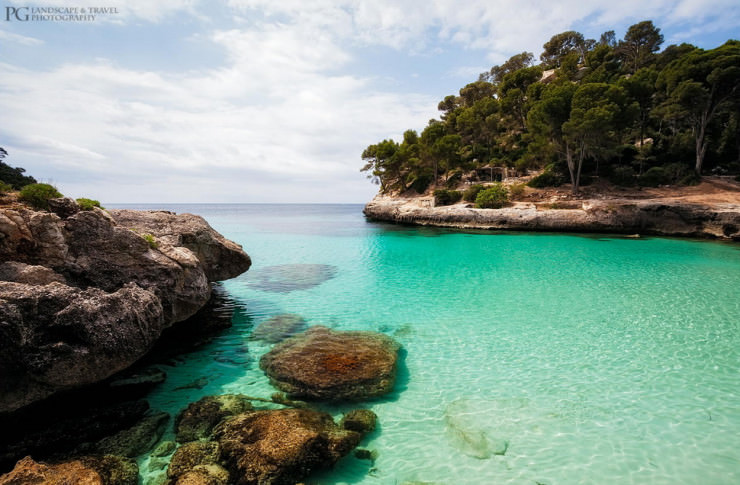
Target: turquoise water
[530, 358]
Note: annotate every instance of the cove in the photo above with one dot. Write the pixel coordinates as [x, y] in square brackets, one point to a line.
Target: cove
[528, 358]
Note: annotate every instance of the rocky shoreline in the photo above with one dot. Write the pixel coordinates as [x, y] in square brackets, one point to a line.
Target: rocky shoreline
[616, 216]
[85, 294]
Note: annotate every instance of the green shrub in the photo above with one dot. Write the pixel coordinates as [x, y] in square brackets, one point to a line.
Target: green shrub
[38, 195]
[693, 179]
[623, 175]
[546, 179]
[446, 197]
[88, 204]
[5, 188]
[421, 183]
[150, 239]
[654, 177]
[516, 191]
[454, 179]
[493, 197]
[676, 171]
[472, 192]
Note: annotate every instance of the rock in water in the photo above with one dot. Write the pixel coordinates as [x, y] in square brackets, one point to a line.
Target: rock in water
[196, 421]
[281, 447]
[291, 277]
[467, 423]
[100, 470]
[332, 365]
[279, 327]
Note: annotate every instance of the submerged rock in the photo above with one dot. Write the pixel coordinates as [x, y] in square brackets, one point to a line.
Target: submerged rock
[332, 365]
[191, 455]
[279, 327]
[469, 429]
[97, 470]
[281, 447]
[361, 420]
[136, 440]
[285, 278]
[198, 419]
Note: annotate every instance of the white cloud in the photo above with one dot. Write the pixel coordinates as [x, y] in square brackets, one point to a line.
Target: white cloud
[19, 39]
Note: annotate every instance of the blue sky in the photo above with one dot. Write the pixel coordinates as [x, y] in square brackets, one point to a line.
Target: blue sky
[267, 100]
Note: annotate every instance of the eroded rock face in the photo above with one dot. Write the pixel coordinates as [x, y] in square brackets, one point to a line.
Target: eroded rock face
[55, 337]
[281, 446]
[330, 365]
[105, 296]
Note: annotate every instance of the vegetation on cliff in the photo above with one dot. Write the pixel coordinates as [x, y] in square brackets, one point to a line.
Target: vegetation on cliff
[621, 109]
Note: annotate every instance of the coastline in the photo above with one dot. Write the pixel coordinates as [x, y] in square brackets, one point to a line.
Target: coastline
[654, 216]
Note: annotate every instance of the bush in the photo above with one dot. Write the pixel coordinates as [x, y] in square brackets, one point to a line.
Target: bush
[493, 197]
[654, 177]
[516, 191]
[88, 204]
[421, 183]
[150, 240]
[5, 188]
[472, 192]
[454, 179]
[546, 179]
[38, 195]
[693, 179]
[623, 175]
[676, 171]
[446, 197]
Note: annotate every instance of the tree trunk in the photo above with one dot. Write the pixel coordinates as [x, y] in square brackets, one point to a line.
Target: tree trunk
[571, 166]
[701, 142]
[581, 154]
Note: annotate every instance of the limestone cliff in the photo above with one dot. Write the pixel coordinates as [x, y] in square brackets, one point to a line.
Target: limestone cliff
[84, 294]
[654, 217]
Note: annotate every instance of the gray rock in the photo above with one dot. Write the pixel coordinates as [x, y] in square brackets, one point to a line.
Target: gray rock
[28, 274]
[279, 327]
[64, 207]
[136, 440]
[57, 337]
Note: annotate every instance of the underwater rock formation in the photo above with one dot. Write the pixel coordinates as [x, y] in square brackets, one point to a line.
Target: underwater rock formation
[113, 281]
[92, 470]
[331, 365]
[281, 447]
[285, 278]
[196, 421]
[279, 327]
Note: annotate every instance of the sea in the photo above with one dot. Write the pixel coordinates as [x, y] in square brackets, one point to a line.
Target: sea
[528, 358]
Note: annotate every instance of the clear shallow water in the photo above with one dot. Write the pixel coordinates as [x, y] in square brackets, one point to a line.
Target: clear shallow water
[581, 359]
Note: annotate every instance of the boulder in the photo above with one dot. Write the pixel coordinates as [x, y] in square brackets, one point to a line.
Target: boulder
[198, 419]
[56, 337]
[123, 290]
[333, 366]
[361, 420]
[281, 447]
[191, 455]
[98, 470]
[279, 327]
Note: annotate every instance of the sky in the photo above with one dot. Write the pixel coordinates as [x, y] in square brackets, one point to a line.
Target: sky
[265, 101]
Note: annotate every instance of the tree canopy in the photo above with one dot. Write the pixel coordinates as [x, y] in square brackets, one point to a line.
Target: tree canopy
[612, 108]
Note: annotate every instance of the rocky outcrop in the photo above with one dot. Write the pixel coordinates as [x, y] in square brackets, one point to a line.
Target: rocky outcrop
[650, 217]
[87, 293]
[330, 365]
[102, 470]
[281, 446]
